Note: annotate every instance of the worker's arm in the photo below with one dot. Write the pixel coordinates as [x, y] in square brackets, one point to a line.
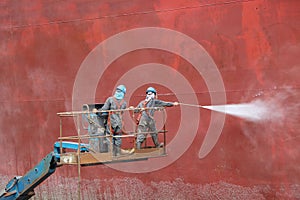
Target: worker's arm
[160, 103]
[138, 108]
[107, 104]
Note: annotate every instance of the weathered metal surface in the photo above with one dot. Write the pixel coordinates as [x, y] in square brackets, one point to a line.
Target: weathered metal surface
[254, 43]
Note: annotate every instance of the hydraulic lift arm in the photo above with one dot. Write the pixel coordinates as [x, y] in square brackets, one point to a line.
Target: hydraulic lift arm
[22, 187]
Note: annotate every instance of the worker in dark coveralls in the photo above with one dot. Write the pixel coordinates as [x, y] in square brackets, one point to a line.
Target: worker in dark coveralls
[115, 126]
[146, 122]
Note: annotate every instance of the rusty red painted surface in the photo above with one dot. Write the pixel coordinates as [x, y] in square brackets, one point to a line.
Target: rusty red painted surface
[254, 43]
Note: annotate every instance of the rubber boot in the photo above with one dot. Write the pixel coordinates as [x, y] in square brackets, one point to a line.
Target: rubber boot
[155, 141]
[116, 150]
[138, 145]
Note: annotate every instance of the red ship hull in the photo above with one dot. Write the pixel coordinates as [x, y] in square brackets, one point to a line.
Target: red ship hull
[248, 50]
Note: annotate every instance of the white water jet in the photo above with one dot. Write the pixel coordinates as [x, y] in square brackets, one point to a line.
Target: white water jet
[254, 111]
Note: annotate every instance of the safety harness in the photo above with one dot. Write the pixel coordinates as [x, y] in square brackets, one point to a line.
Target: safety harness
[141, 113]
[115, 112]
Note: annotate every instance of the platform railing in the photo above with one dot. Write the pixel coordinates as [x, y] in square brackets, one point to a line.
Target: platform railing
[83, 135]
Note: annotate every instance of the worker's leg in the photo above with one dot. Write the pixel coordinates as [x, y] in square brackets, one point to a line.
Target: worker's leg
[140, 135]
[152, 129]
[109, 140]
[117, 141]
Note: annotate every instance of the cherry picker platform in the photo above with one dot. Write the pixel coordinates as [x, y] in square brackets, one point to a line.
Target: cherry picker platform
[86, 155]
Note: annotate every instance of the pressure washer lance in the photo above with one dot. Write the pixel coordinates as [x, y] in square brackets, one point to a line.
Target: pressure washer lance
[205, 107]
[191, 105]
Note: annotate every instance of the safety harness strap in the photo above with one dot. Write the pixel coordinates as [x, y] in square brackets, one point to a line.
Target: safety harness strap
[119, 105]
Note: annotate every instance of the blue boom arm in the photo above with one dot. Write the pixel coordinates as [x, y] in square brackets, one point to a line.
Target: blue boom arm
[22, 187]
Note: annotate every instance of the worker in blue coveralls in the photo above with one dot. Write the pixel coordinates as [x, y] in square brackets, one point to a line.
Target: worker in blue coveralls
[145, 121]
[115, 125]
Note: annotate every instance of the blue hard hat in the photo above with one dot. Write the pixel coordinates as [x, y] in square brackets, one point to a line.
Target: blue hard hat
[122, 88]
[151, 89]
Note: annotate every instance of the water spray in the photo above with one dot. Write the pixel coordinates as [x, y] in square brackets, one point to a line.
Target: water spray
[254, 111]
